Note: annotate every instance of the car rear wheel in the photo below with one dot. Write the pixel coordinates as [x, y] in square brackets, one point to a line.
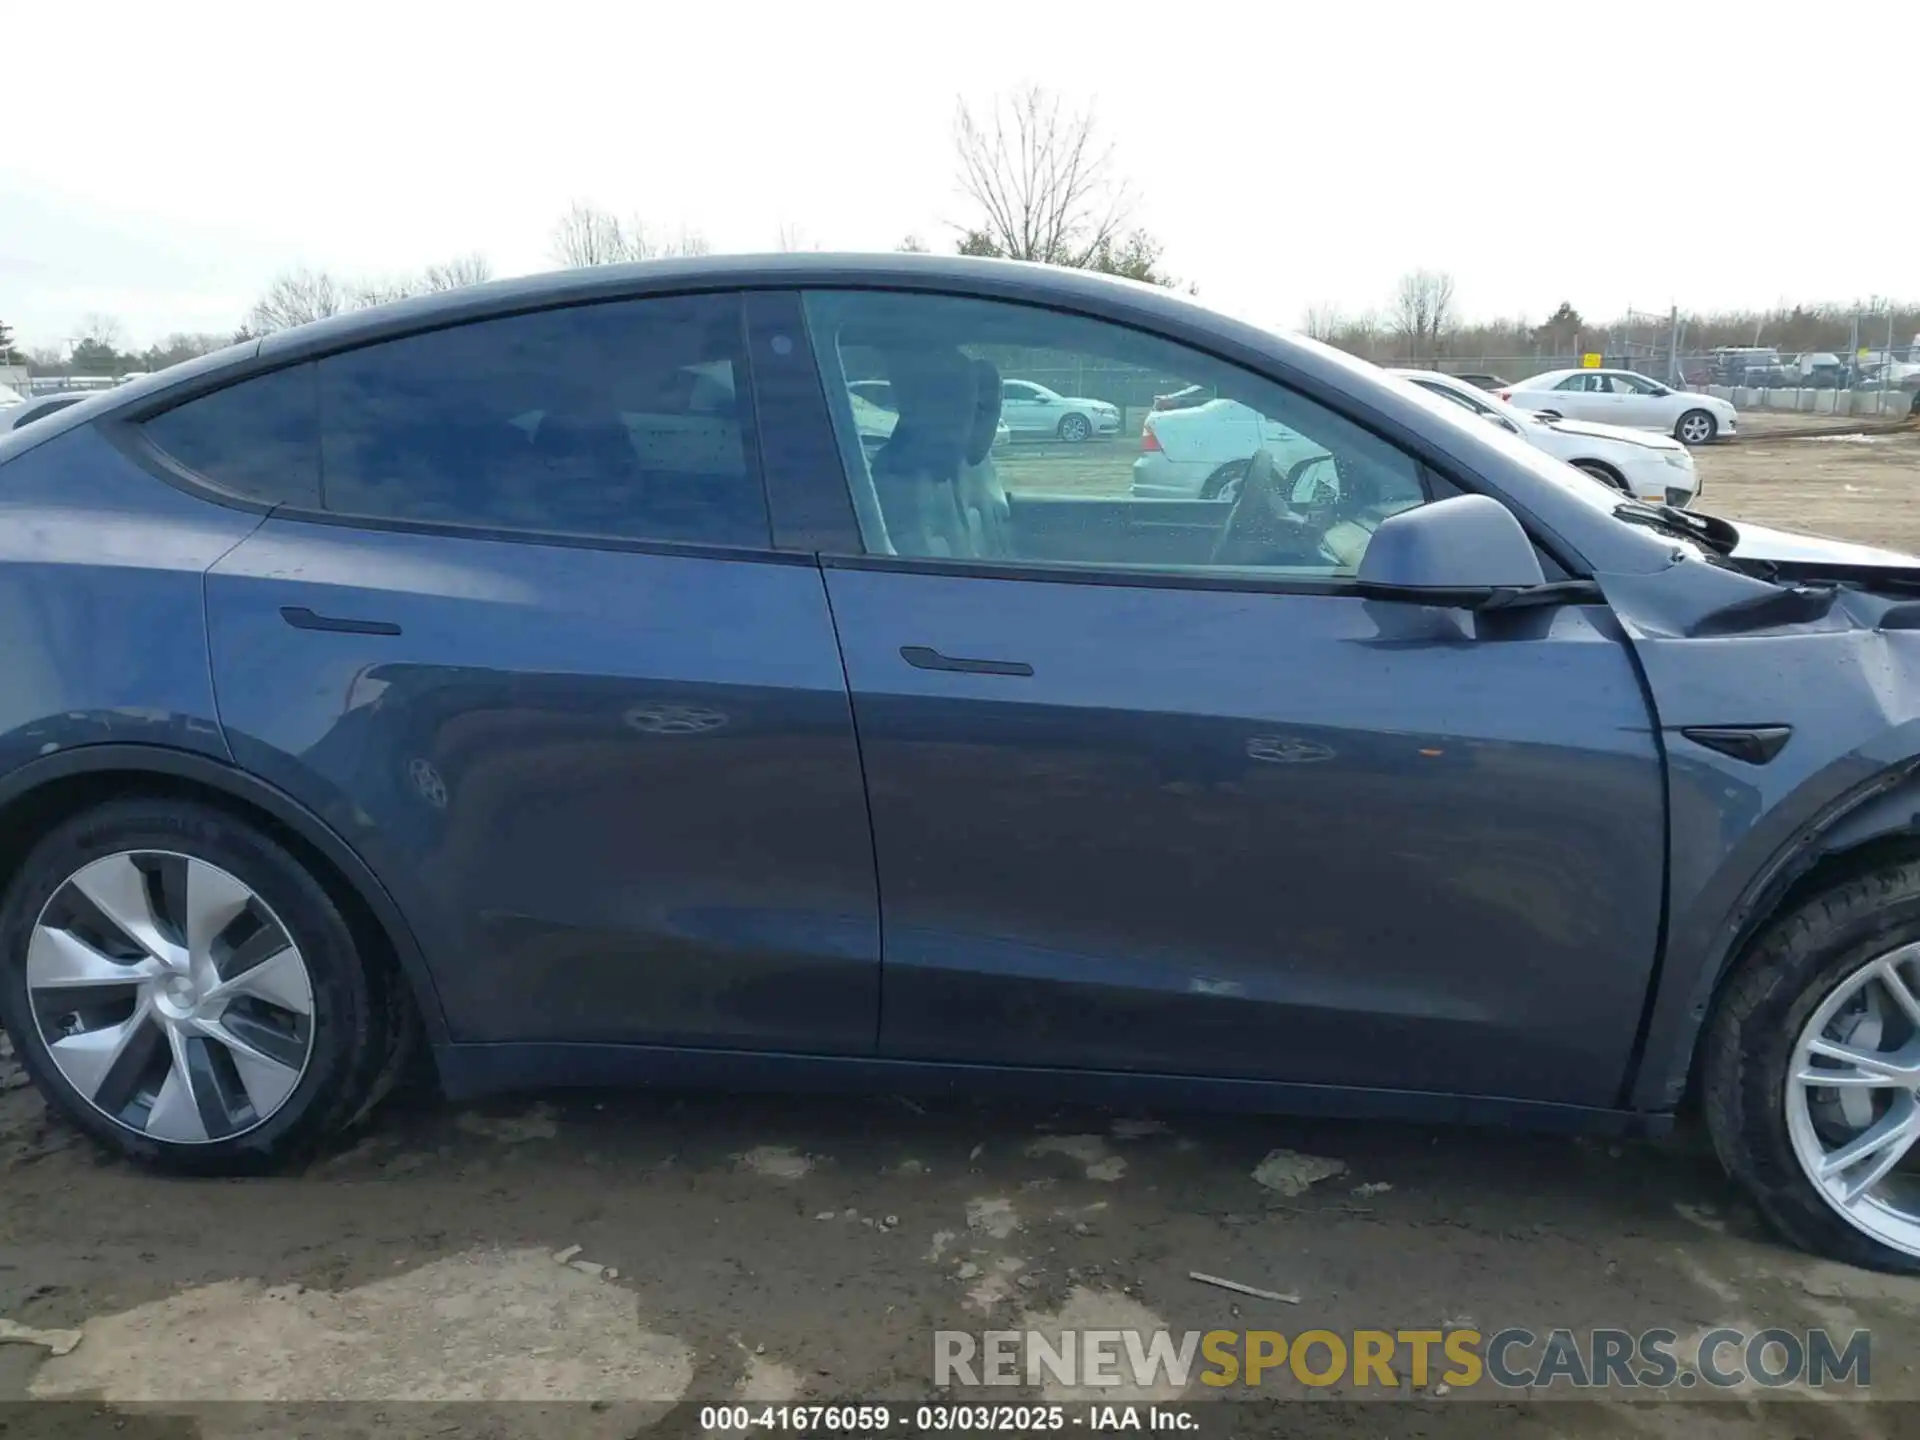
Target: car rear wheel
[1696, 427]
[1224, 483]
[1812, 1072]
[1074, 428]
[183, 989]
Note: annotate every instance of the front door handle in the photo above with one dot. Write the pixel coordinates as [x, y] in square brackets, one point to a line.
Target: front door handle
[301, 618]
[925, 657]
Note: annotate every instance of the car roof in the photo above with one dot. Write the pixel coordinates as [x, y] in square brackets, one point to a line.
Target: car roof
[1318, 371]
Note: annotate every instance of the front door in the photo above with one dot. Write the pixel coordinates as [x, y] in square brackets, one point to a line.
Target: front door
[1152, 790]
[526, 645]
[1026, 409]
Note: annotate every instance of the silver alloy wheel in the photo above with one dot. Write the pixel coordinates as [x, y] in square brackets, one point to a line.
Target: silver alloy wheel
[1075, 429]
[1696, 428]
[170, 996]
[1853, 1098]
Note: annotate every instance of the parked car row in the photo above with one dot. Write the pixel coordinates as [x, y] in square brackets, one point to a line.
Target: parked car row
[1196, 447]
[1028, 410]
[1649, 467]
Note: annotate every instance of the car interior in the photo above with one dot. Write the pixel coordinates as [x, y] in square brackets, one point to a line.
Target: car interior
[933, 488]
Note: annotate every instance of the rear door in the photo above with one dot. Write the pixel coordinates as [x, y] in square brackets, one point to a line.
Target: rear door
[1154, 790]
[1586, 397]
[518, 632]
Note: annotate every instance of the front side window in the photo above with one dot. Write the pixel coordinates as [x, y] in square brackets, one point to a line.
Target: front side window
[1256, 478]
[624, 420]
[1628, 384]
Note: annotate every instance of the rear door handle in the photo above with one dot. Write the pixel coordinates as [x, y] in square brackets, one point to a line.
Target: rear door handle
[925, 657]
[301, 618]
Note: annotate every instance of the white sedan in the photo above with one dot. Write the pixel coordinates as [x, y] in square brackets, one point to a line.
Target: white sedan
[1648, 467]
[1200, 452]
[1032, 411]
[1627, 398]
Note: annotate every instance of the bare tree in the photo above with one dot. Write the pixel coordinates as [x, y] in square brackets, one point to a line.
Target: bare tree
[587, 235]
[793, 238]
[912, 245]
[1322, 321]
[296, 297]
[690, 242]
[104, 330]
[181, 345]
[1042, 180]
[1423, 310]
[458, 273]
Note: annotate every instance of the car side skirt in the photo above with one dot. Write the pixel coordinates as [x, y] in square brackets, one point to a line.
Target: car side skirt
[470, 1071]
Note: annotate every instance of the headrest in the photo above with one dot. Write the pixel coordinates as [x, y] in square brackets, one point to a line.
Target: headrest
[986, 411]
[933, 392]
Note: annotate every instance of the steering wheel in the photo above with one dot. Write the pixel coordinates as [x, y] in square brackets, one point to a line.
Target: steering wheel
[1262, 528]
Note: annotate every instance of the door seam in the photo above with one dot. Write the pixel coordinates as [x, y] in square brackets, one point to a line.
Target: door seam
[866, 802]
[206, 634]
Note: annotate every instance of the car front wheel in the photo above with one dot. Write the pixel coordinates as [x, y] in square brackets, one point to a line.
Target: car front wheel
[1605, 474]
[1812, 1072]
[1696, 427]
[1074, 428]
[184, 990]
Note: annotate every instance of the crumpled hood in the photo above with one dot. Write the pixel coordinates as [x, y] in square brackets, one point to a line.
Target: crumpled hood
[1599, 431]
[1787, 547]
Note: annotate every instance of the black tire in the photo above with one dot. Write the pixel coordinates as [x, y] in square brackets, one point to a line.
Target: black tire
[1605, 474]
[1074, 429]
[1712, 428]
[361, 1019]
[1221, 478]
[1794, 965]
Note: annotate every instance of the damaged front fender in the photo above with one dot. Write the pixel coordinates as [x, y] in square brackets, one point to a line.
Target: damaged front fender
[1830, 655]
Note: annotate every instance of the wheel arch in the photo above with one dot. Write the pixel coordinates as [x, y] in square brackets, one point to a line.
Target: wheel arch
[1877, 823]
[50, 788]
[1609, 472]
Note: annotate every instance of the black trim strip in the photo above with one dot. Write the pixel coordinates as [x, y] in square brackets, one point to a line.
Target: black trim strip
[301, 618]
[1062, 574]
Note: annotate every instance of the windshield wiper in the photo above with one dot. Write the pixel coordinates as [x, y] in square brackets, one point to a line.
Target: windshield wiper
[1486, 597]
[1709, 530]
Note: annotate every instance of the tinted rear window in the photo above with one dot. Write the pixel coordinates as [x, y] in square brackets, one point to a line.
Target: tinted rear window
[258, 439]
[626, 419]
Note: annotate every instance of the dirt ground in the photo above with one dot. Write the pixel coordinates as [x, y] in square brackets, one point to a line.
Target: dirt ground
[1855, 486]
[607, 1255]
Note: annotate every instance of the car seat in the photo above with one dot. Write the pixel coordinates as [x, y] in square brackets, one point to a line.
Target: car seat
[583, 475]
[983, 499]
[916, 470]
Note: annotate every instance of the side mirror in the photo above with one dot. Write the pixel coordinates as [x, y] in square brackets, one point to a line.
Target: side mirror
[1457, 551]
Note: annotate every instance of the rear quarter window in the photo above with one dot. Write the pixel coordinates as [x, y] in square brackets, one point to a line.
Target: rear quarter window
[259, 440]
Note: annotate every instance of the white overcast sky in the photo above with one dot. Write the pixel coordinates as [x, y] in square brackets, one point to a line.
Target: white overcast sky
[161, 160]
